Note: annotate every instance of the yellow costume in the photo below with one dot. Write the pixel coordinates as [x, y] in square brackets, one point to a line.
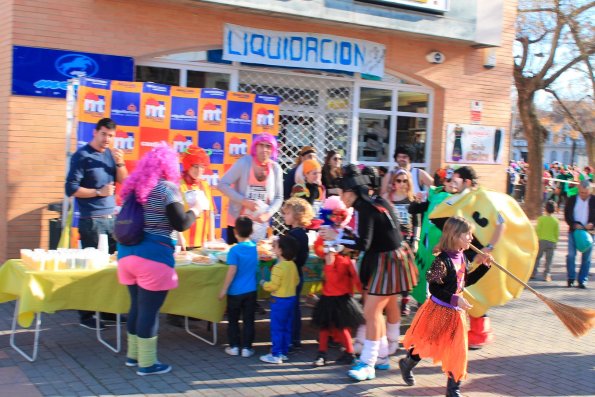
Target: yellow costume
[199, 231]
[515, 250]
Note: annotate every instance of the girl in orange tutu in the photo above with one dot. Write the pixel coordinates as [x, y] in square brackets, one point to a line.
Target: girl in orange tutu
[438, 330]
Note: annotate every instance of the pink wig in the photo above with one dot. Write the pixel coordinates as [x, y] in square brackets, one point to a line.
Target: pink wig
[339, 209]
[266, 138]
[160, 163]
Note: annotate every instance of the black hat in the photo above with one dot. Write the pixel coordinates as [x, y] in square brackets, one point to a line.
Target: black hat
[353, 178]
[372, 173]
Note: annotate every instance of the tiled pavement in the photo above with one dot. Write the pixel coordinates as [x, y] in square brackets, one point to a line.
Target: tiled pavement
[533, 355]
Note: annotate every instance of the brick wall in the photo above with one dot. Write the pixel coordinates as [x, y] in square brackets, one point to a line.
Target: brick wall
[35, 135]
[5, 72]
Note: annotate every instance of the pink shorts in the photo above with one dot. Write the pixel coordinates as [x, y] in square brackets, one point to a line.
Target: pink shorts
[147, 274]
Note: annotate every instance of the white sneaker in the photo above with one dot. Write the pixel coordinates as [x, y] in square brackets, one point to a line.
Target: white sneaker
[247, 352]
[232, 351]
[269, 358]
[284, 357]
[362, 371]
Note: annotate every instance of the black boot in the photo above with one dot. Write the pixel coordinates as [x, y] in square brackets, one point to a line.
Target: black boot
[452, 388]
[406, 365]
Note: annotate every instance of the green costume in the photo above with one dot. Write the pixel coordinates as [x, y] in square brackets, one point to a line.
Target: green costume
[429, 237]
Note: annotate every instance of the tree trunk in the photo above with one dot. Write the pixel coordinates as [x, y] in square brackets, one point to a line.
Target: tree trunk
[534, 134]
[590, 148]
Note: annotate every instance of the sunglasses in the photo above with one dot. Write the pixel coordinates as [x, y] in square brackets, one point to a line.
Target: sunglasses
[401, 180]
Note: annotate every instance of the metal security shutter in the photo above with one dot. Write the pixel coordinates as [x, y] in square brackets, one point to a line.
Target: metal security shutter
[315, 110]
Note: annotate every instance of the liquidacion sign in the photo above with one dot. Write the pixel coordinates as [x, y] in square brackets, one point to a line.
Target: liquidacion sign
[302, 50]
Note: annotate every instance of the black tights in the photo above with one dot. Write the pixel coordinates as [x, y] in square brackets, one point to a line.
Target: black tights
[143, 317]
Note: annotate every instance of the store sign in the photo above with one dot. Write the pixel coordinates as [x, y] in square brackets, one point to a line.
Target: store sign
[428, 5]
[45, 72]
[302, 50]
[474, 144]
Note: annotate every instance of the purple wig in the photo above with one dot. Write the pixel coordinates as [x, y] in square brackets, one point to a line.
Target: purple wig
[160, 163]
[266, 138]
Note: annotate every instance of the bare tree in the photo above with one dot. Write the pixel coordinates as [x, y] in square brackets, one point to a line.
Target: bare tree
[554, 37]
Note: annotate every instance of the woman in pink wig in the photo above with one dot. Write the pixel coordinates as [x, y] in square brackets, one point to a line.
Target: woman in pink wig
[147, 268]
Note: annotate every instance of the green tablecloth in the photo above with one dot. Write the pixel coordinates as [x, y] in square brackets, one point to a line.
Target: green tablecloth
[99, 290]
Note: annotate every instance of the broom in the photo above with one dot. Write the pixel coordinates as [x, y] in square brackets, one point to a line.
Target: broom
[578, 320]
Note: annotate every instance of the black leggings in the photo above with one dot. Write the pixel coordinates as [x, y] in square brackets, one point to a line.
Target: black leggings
[143, 317]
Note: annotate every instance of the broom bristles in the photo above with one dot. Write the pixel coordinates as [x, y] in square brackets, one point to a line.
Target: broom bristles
[578, 320]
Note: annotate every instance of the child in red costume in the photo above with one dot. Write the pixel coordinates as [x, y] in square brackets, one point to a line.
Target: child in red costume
[337, 312]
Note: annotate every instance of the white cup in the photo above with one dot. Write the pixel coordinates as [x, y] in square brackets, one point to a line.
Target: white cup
[103, 245]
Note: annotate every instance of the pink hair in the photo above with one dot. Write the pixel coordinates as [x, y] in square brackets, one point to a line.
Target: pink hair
[160, 163]
[266, 138]
[334, 203]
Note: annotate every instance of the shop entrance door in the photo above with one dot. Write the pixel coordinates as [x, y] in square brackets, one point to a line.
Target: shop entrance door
[315, 110]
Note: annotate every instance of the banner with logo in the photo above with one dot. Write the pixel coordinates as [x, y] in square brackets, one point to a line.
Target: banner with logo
[46, 71]
[221, 122]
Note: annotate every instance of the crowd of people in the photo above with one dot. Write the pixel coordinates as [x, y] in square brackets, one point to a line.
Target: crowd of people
[369, 224]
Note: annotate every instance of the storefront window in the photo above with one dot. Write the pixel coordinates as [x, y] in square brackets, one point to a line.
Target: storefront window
[414, 102]
[207, 80]
[375, 98]
[412, 131]
[373, 138]
[158, 75]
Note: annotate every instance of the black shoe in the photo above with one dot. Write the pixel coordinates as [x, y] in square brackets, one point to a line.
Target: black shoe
[295, 348]
[453, 388]
[320, 360]
[570, 283]
[91, 323]
[581, 286]
[346, 359]
[406, 366]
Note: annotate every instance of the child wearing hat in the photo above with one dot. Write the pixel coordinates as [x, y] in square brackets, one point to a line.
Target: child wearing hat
[196, 163]
[308, 178]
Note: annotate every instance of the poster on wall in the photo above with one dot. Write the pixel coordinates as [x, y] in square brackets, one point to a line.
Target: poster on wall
[474, 144]
[147, 114]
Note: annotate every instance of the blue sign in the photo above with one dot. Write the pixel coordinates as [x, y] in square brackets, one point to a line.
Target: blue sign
[45, 72]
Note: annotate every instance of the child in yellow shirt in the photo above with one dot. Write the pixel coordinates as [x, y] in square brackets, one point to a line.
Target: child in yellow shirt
[284, 280]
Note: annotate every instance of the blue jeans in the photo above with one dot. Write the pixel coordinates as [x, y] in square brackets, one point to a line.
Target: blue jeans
[282, 313]
[583, 274]
[296, 336]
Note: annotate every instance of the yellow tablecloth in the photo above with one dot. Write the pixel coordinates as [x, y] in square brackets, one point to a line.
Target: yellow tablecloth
[99, 290]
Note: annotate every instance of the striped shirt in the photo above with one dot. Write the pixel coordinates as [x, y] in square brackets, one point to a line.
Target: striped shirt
[156, 222]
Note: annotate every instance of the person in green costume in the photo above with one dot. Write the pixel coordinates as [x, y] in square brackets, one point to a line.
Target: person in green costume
[430, 234]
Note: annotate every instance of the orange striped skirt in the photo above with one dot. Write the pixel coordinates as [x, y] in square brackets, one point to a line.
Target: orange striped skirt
[391, 272]
[440, 333]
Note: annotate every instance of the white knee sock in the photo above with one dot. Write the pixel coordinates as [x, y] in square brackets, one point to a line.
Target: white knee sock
[370, 352]
[383, 349]
[393, 331]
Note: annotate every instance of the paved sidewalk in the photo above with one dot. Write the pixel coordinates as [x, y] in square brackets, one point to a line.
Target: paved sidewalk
[533, 355]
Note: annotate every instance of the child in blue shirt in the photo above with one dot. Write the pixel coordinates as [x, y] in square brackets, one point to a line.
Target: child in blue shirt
[240, 289]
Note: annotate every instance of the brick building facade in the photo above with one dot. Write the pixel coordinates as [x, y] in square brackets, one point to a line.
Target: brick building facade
[32, 137]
